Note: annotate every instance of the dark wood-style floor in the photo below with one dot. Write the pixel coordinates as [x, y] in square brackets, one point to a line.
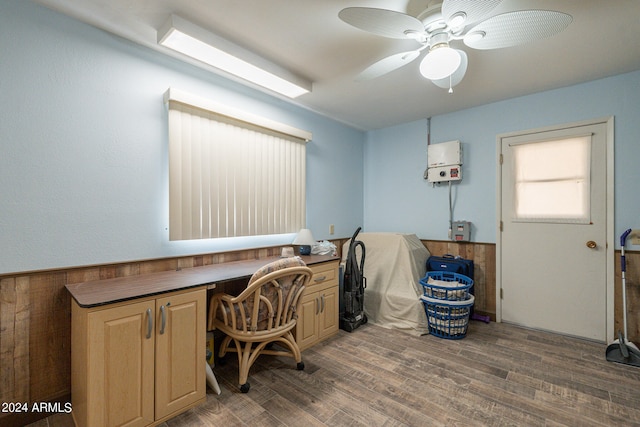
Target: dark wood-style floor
[499, 375]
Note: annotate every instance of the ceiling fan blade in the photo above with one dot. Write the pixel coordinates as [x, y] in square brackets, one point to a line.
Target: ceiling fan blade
[473, 10]
[388, 64]
[383, 22]
[516, 28]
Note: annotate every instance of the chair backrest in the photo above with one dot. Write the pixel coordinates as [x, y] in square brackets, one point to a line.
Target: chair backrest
[269, 302]
[277, 288]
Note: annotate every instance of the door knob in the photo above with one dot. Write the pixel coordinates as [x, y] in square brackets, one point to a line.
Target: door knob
[591, 244]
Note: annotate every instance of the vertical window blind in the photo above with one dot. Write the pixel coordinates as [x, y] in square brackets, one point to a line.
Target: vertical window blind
[232, 174]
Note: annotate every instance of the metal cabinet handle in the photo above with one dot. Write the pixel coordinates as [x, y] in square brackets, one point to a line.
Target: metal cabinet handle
[591, 244]
[163, 319]
[149, 322]
[322, 299]
[319, 279]
[317, 306]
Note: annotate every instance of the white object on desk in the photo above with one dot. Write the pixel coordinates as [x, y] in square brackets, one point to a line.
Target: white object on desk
[287, 252]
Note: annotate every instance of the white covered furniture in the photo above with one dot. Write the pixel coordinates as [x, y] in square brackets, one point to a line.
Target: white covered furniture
[394, 265]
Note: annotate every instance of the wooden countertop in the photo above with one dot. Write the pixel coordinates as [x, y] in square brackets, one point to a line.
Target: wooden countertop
[108, 291]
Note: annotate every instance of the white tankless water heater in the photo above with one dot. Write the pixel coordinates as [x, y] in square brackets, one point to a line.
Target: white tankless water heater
[444, 161]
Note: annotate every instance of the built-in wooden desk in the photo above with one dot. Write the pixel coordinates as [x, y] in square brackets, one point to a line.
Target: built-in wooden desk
[138, 342]
[109, 291]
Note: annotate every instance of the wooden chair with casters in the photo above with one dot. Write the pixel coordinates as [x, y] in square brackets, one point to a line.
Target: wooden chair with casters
[263, 314]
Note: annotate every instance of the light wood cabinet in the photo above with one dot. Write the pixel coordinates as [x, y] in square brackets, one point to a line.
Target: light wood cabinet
[128, 370]
[319, 306]
[140, 362]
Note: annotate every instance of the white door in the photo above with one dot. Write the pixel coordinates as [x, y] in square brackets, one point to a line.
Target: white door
[554, 254]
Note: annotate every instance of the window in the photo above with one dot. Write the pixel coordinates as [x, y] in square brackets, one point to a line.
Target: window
[230, 173]
[552, 180]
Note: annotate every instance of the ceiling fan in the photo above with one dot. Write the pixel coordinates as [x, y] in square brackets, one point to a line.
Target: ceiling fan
[448, 21]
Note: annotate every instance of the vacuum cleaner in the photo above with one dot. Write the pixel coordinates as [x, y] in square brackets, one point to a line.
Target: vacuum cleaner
[622, 350]
[354, 285]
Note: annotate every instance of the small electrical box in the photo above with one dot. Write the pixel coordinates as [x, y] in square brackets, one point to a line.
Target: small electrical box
[444, 161]
[444, 173]
[444, 153]
[461, 231]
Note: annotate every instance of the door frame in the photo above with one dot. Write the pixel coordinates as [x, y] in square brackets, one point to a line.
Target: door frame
[610, 239]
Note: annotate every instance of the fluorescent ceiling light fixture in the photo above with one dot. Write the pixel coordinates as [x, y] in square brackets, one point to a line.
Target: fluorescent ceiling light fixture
[198, 43]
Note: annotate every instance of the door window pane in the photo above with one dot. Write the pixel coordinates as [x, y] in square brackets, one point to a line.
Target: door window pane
[552, 180]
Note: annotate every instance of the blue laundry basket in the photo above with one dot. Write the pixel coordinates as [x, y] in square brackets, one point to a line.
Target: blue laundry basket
[455, 292]
[448, 319]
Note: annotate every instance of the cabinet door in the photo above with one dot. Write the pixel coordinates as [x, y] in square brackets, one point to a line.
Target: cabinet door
[180, 351]
[121, 365]
[307, 323]
[329, 311]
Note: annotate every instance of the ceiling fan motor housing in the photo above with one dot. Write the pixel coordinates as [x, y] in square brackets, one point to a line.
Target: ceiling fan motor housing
[439, 39]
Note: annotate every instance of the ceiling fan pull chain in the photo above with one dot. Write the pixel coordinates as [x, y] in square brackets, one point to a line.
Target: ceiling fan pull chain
[450, 85]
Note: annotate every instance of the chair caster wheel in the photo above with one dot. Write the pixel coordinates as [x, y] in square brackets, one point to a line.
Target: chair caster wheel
[244, 387]
[300, 366]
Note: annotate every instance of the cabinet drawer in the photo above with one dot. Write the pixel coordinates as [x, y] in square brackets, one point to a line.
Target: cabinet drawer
[323, 273]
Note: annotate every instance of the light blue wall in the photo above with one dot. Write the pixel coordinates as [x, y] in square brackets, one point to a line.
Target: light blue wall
[398, 199]
[83, 150]
[83, 147]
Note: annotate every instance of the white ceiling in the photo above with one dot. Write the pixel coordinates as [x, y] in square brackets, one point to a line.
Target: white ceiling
[308, 38]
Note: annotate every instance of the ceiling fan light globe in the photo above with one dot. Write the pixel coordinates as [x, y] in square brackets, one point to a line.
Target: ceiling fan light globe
[457, 76]
[440, 63]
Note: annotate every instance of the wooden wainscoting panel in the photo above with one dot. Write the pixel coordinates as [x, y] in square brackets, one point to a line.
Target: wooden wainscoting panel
[339, 244]
[21, 335]
[120, 270]
[157, 265]
[14, 336]
[7, 338]
[49, 336]
[79, 275]
[490, 280]
[480, 275]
